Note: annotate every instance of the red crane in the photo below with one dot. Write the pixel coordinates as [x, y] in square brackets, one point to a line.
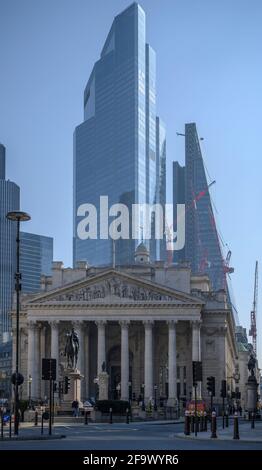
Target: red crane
[253, 315]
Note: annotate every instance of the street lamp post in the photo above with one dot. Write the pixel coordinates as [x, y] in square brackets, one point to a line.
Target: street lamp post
[17, 217]
[155, 404]
[130, 393]
[143, 397]
[30, 388]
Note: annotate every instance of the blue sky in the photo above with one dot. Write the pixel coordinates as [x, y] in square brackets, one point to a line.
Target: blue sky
[209, 71]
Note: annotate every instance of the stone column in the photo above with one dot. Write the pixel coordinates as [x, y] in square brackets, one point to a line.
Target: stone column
[37, 372]
[172, 364]
[31, 358]
[196, 349]
[101, 345]
[87, 370]
[42, 356]
[55, 344]
[182, 379]
[124, 360]
[148, 324]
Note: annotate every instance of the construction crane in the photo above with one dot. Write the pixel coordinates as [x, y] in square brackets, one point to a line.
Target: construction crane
[253, 315]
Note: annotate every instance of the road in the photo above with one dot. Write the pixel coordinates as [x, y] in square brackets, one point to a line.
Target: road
[133, 436]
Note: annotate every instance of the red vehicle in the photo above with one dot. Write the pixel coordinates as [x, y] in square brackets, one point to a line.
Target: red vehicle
[200, 406]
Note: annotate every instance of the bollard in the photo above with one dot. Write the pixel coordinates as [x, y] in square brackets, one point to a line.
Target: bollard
[196, 424]
[192, 423]
[205, 421]
[10, 426]
[201, 422]
[236, 427]
[226, 419]
[253, 420]
[213, 425]
[36, 418]
[42, 424]
[187, 424]
[86, 418]
[2, 425]
[110, 415]
[127, 416]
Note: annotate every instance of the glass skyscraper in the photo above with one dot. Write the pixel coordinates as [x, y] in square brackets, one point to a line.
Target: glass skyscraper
[119, 149]
[9, 201]
[36, 257]
[190, 186]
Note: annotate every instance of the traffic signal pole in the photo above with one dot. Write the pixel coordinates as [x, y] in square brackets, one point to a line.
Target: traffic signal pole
[195, 387]
[50, 400]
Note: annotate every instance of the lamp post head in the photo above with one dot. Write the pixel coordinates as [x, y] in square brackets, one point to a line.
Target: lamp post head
[18, 216]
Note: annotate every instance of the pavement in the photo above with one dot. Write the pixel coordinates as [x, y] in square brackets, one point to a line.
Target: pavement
[246, 434]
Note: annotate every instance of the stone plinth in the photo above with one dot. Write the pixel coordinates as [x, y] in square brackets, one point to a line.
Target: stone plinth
[103, 385]
[251, 393]
[74, 393]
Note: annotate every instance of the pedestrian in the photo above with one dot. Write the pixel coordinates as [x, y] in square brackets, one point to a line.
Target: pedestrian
[75, 408]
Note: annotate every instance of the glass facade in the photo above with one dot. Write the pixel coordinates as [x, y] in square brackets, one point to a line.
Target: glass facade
[115, 152]
[36, 257]
[202, 245]
[9, 201]
[178, 198]
[2, 162]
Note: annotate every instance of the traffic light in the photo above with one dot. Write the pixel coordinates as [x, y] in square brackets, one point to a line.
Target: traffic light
[197, 372]
[48, 369]
[67, 385]
[211, 385]
[223, 393]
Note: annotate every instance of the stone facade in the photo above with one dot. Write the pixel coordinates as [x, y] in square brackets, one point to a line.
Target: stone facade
[146, 322]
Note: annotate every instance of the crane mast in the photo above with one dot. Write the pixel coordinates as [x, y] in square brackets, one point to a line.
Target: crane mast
[253, 315]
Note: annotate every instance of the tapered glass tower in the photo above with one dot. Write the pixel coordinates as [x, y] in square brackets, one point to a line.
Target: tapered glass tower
[115, 148]
[202, 246]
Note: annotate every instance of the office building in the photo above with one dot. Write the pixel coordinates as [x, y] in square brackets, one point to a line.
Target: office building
[36, 257]
[119, 149]
[202, 246]
[9, 201]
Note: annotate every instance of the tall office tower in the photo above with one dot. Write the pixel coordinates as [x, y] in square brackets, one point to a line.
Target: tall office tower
[115, 148]
[36, 257]
[202, 245]
[9, 201]
[178, 198]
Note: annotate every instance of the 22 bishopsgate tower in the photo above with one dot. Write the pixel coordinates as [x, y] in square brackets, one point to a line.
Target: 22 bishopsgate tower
[119, 149]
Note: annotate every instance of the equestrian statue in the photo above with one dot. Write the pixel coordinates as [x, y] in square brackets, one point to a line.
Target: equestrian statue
[72, 348]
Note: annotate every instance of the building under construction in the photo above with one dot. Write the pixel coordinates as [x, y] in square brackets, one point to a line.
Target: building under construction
[190, 186]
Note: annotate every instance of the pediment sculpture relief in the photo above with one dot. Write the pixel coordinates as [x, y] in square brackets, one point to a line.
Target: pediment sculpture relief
[113, 287]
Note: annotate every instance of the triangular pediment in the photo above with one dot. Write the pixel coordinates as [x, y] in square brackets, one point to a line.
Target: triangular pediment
[115, 286]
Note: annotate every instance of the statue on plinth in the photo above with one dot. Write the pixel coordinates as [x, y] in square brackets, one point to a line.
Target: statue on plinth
[252, 364]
